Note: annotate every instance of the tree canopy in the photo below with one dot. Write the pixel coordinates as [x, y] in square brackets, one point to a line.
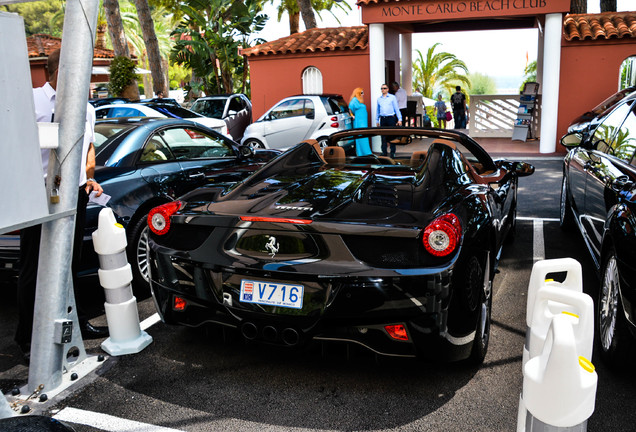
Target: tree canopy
[437, 72]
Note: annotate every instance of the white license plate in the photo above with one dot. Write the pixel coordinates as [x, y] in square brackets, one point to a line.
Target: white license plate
[272, 293]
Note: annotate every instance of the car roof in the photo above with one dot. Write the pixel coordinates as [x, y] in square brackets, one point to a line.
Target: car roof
[220, 96]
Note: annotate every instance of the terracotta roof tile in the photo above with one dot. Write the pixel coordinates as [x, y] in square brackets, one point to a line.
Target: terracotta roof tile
[315, 40]
[607, 25]
[41, 45]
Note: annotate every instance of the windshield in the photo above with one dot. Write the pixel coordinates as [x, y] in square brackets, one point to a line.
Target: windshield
[210, 107]
[176, 112]
[107, 132]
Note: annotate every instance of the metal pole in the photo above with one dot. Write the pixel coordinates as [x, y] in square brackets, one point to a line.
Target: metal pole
[54, 293]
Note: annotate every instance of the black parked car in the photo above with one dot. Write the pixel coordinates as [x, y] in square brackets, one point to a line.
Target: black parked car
[234, 109]
[144, 162]
[397, 255]
[587, 122]
[598, 196]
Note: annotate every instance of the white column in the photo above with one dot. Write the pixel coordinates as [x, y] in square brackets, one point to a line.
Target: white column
[406, 63]
[540, 43]
[550, 84]
[376, 63]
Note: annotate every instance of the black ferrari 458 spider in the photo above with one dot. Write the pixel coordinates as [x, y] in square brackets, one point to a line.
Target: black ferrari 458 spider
[395, 254]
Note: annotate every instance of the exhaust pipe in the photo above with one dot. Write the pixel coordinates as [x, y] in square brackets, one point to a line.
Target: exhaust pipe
[249, 330]
[290, 337]
[270, 334]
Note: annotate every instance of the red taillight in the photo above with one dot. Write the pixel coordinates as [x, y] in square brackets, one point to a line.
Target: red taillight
[335, 125]
[159, 217]
[275, 220]
[442, 236]
[334, 118]
[179, 303]
[397, 331]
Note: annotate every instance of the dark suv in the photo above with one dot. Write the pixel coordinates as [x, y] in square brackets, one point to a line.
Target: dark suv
[234, 109]
[598, 197]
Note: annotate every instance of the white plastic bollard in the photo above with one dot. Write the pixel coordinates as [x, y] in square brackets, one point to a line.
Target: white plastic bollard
[115, 276]
[578, 307]
[541, 269]
[559, 385]
[5, 408]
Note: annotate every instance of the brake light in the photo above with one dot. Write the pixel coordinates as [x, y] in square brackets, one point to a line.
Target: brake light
[159, 217]
[179, 303]
[397, 331]
[275, 220]
[335, 125]
[442, 236]
[334, 118]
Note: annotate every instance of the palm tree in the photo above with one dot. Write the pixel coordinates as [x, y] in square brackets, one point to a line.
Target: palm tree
[116, 28]
[293, 9]
[209, 37]
[152, 46]
[438, 71]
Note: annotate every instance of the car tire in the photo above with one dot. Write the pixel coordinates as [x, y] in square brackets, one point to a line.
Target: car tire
[137, 256]
[613, 334]
[566, 216]
[254, 144]
[482, 329]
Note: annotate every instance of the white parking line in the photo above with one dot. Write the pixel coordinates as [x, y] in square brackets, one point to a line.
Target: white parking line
[107, 422]
[538, 244]
[149, 322]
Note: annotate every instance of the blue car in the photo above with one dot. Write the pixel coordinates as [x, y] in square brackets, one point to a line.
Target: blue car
[144, 162]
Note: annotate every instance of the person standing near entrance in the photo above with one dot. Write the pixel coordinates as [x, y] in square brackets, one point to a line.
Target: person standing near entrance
[388, 114]
[358, 111]
[400, 95]
[440, 108]
[458, 100]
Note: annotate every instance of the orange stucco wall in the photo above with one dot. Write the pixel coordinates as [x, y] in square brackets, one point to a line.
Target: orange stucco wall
[276, 77]
[589, 74]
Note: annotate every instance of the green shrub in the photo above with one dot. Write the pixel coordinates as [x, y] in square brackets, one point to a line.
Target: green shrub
[122, 74]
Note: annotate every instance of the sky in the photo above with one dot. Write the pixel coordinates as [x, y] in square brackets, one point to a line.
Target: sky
[500, 54]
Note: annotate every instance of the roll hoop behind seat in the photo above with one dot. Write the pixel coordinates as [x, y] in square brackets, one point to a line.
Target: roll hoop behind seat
[334, 155]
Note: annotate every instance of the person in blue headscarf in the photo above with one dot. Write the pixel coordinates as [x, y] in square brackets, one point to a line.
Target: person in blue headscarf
[359, 113]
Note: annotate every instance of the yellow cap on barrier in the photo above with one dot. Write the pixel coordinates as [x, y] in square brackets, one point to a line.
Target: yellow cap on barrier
[586, 364]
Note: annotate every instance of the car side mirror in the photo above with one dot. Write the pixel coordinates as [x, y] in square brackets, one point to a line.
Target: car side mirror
[523, 169]
[246, 151]
[572, 139]
[310, 115]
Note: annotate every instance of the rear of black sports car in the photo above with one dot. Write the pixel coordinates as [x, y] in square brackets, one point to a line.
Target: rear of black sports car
[397, 260]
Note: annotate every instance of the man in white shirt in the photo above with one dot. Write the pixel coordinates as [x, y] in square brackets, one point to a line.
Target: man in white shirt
[44, 101]
[400, 95]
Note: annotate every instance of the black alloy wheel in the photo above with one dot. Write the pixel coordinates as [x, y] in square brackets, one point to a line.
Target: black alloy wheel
[137, 251]
[482, 330]
[613, 335]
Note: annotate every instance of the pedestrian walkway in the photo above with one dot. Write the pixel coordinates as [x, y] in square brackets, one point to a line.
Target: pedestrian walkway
[506, 146]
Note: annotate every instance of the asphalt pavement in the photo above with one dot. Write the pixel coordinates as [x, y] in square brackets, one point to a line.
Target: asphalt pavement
[207, 380]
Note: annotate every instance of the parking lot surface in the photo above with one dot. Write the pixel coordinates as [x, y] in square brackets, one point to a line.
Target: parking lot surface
[207, 380]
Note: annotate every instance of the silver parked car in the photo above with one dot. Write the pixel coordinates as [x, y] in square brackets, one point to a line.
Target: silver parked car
[234, 109]
[297, 118]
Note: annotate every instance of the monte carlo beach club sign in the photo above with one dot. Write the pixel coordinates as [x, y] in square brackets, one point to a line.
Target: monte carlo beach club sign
[424, 10]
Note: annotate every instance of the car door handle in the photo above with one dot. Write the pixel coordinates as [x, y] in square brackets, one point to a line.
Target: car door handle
[196, 176]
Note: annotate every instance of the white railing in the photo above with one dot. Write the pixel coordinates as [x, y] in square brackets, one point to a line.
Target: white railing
[493, 116]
